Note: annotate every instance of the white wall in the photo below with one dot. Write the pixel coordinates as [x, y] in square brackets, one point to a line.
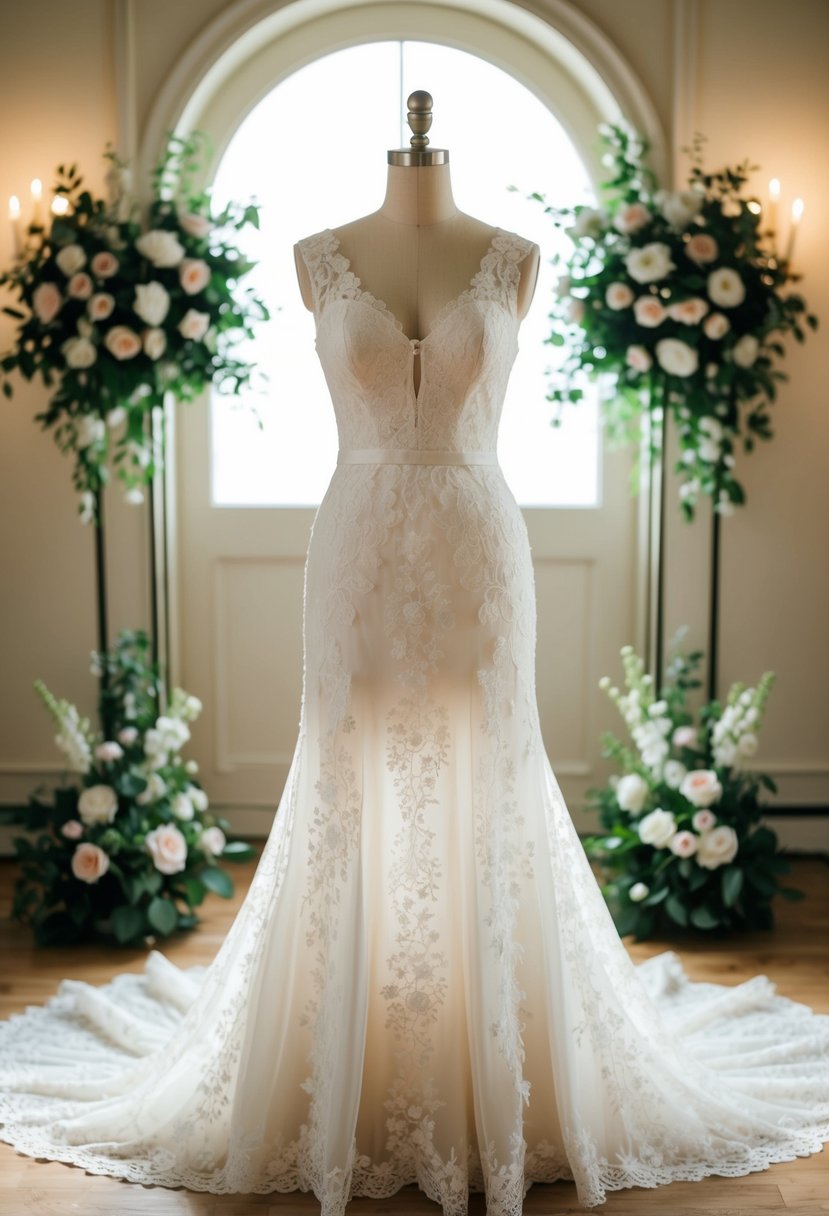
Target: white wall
[750, 73]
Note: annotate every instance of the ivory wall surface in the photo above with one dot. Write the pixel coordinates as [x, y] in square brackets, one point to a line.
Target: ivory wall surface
[750, 73]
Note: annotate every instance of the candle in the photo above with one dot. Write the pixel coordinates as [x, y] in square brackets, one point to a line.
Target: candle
[60, 204]
[797, 216]
[37, 195]
[774, 199]
[14, 216]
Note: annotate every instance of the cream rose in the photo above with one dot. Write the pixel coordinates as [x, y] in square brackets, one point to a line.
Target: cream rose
[109, 750]
[657, 828]
[676, 357]
[649, 263]
[79, 352]
[212, 841]
[194, 324]
[702, 248]
[716, 326]
[89, 863]
[122, 342]
[717, 848]
[631, 792]
[684, 736]
[726, 288]
[160, 247]
[128, 735]
[100, 306]
[182, 807]
[72, 829]
[46, 302]
[638, 358]
[701, 787]
[70, 259]
[79, 286]
[688, 312]
[683, 844]
[631, 218]
[649, 312]
[98, 804]
[152, 302]
[104, 264]
[194, 275]
[746, 350]
[704, 821]
[197, 796]
[194, 225]
[155, 343]
[167, 847]
[618, 296]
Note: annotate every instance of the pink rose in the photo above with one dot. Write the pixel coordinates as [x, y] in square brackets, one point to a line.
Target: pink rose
[109, 750]
[46, 302]
[683, 844]
[684, 736]
[649, 312]
[104, 264]
[631, 218]
[194, 225]
[689, 312]
[128, 735]
[89, 863]
[618, 295]
[702, 248]
[100, 306]
[716, 326]
[167, 847]
[194, 275]
[72, 829]
[638, 358]
[80, 286]
[194, 324]
[122, 342]
[704, 821]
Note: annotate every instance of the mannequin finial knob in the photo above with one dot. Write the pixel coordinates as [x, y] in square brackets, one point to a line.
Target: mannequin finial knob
[419, 117]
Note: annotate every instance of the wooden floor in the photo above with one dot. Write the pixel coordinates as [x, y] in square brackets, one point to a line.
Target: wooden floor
[795, 955]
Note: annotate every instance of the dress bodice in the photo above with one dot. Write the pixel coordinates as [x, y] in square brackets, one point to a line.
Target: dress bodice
[465, 359]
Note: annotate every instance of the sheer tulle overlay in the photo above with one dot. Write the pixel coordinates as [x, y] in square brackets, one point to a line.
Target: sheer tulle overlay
[423, 983]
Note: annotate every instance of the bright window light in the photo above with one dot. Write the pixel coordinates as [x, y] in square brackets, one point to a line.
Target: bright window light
[308, 174]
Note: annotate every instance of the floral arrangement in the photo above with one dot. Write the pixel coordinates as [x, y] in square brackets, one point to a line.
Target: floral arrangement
[677, 298]
[114, 312]
[683, 844]
[134, 850]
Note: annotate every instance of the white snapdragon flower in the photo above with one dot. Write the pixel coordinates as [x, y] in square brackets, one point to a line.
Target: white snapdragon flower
[632, 792]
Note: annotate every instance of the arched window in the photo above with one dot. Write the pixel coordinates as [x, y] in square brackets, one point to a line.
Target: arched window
[312, 151]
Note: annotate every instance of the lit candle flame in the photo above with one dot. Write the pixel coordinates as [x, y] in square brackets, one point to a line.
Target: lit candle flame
[14, 207]
[37, 189]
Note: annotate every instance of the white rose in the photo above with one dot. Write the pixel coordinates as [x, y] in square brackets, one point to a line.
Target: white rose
[631, 218]
[182, 807]
[194, 275]
[674, 773]
[89, 862]
[194, 324]
[657, 828]
[676, 357]
[717, 848]
[152, 302]
[618, 296]
[109, 750]
[70, 259]
[160, 247]
[726, 288]
[678, 206]
[79, 352]
[631, 793]
[638, 892]
[701, 787]
[155, 343]
[683, 844]
[197, 796]
[213, 841]
[98, 804]
[704, 821]
[90, 429]
[167, 847]
[745, 350]
[650, 262]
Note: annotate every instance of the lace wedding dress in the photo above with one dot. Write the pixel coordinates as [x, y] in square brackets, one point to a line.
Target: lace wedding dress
[423, 983]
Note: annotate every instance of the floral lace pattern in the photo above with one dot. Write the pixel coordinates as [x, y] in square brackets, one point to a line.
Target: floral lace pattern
[423, 983]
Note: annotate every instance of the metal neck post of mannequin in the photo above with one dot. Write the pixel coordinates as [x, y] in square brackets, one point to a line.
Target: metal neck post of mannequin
[419, 118]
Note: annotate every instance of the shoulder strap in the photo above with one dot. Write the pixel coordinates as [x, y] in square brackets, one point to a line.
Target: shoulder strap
[325, 265]
[500, 271]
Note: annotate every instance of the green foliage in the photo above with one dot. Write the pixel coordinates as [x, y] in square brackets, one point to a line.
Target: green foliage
[103, 393]
[683, 845]
[148, 789]
[702, 356]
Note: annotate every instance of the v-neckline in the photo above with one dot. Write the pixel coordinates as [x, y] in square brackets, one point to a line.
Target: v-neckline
[382, 307]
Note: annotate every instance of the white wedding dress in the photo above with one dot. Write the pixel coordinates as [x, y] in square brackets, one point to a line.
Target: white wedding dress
[423, 983]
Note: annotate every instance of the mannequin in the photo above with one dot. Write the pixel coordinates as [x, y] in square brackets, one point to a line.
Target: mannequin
[418, 251]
